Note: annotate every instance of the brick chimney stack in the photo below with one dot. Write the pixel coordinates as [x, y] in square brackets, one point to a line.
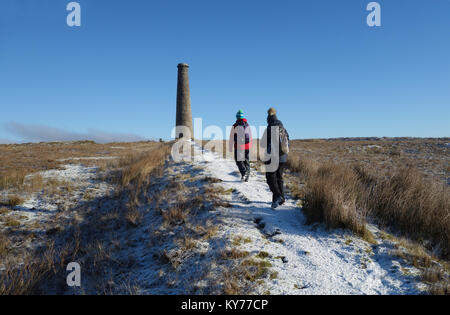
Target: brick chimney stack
[184, 114]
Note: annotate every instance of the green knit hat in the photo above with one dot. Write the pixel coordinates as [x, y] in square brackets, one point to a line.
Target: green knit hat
[240, 114]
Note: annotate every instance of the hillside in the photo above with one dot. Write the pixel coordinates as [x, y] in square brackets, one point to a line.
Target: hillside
[144, 224]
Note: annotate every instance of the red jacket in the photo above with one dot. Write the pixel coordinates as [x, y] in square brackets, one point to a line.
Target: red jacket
[247, 133]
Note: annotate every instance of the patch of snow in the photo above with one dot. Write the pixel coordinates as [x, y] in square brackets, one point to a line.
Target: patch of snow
[40, 206]
[71, 172]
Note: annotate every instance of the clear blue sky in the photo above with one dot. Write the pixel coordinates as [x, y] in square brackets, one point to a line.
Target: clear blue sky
[327, 73]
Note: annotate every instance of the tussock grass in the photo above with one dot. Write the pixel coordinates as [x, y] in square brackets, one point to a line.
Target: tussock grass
[273, 275]
[26, 279]
[244, 274]
[303, 165]
[433, 275]
[234, 254]
[14, 201]
[187, 243]
[440, 289]
[232, 281]
[239, 239]
[43, 268]
[255, 269]
[133, 216]
[332, 196]
[12, 178]
[35, 183]
[137, 168]
[176, 215]
[263, 255]
[137, 171]
[414, 206]
[207, 231]
[342, 196]
[10, 222]
[4, 244]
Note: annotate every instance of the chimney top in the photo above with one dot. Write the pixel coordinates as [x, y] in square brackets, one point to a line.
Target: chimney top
[183, 65]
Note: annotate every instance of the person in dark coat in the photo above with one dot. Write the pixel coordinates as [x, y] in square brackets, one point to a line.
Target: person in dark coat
[274, 174]
[241, 142]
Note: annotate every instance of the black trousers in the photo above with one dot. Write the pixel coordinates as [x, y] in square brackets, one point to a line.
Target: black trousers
[243, 163]
[275, 182]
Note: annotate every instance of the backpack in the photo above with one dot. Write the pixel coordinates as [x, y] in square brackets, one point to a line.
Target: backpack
[245, 138]
[284, 141]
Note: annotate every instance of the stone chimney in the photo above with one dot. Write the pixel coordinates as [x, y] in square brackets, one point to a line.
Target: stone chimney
[184, 114]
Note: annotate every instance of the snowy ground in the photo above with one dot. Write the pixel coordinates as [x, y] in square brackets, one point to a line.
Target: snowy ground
[307, 260]
[304, 259]
[78, 177]
[61, 191]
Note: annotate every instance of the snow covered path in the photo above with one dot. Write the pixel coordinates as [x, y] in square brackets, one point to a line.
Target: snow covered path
[305, 259]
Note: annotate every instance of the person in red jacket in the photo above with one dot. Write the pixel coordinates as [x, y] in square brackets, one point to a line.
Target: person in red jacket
[241, 142]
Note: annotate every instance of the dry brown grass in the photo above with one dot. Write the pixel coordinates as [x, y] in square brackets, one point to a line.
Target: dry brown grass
[133, 216]
[34, 270]
[437, 280]
[433, 275]
[381, 156]
[187, 243]
[26, 279]
[176, 214]
[97, 223]
[414, 205]
[9, 221]
[137, 168]
[305, 166]
[333, 196]
[412, 252]
[136, 171]
[440, 289]
[234, 254]
[4, 244]
[12, 178]
[433, 271]
[232, 284]
[404, 193]
[255, 269]
[399, 181]
[244, 275]
[239, 239]
[14, 201]
[19, 160]
[35, 183]
[209, 231]
[342, 195]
